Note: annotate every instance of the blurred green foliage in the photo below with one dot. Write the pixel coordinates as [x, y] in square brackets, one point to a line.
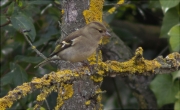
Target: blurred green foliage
[42, 16]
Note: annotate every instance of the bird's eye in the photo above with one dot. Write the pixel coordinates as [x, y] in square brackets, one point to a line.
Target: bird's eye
[100, 31]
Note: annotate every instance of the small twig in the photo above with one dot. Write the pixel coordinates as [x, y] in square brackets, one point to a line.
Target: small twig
[8, 22]
[41, 50]
[109, 4]
[62, 28]
[32, 46]
[47, 105]
[45, 102]
[118, 95]
[162, 51]
[57, 5]
[28, 66]
[46, 45]
[115, 4]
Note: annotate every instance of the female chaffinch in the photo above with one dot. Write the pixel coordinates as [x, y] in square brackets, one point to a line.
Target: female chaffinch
[79, 45]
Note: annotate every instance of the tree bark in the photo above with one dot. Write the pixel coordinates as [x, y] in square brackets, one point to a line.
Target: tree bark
[84, 88]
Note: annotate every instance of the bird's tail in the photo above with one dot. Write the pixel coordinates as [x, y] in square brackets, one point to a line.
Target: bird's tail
[46, 61]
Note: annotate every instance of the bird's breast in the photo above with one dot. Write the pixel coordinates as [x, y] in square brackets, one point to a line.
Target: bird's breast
[78, 52]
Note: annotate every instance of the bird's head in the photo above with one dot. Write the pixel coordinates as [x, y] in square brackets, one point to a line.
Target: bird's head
[99, 27]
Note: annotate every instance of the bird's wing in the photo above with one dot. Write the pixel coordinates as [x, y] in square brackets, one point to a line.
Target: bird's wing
[66, 43]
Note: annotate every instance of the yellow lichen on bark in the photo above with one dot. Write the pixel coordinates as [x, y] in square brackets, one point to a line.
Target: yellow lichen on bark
[132, 67]
[4, 103]
[92, 59]
[105, 40]
[137, 64]
[65, 92]
[99, 92]
[88, 102]
[37, 82]
[101, 69]
[103, 66]
[62, 11]
[95, 58]
[56, 81]
[46, 84]
[17, 93]
[68, 91]
[96, 78]
[43, 95]
[173, 56]
[45, 92]
[99, 98]
[94, 13]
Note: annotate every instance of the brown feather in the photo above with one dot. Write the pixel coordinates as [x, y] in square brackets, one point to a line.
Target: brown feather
[80, 44]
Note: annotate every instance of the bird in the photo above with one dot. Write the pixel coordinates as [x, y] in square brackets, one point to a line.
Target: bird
[80, 44]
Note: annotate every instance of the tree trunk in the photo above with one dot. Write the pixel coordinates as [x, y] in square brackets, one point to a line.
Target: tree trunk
[84, 96]
[84, 88]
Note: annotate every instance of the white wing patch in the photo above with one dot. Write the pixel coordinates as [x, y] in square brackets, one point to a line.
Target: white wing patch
[64, 43]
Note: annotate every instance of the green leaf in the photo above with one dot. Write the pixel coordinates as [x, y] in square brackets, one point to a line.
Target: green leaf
[10, 9]
[45, 37]
[164, 89]
[19, 2]
[3, 19]
[7, 49]
[40, 2]
[3, 92]
[170, 19]
[177, 103]
[57, 2]
[166, 4]
[178, 95]
[7, 79]
[174, 40]
[18, 74]
[155, 4]
[176, 75]
[29, 8]
[125, 35]
[41, 108]
[28, 59]
[22, 22]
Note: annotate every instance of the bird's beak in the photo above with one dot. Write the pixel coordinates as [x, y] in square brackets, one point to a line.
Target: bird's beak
[107, 34]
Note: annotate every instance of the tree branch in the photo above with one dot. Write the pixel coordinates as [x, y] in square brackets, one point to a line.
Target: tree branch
[67, 79]
[140, 66]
